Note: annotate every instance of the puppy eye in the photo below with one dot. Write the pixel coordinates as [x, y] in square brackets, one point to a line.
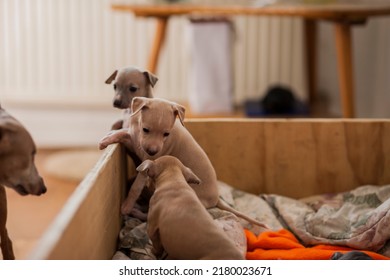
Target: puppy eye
[166, 134]
[146, 130]
[114, 86]
[133, 89]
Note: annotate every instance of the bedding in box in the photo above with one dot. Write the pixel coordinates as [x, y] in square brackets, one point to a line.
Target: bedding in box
[357, 219]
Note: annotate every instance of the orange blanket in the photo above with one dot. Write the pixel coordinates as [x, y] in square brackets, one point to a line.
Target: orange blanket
[282, 245]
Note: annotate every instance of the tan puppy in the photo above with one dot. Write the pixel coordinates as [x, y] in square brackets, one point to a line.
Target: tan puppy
[177, 222]
[154, 132]
[130, 82]
[17, 170]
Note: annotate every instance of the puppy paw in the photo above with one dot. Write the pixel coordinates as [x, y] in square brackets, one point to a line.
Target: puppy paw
[103, 144]
[112, 137]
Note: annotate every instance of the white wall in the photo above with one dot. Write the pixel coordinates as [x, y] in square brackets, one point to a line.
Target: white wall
[63, 50]
[56, 127]
[56, 54]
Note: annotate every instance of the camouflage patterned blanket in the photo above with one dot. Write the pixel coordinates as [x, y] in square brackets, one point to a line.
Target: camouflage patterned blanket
[358, 219]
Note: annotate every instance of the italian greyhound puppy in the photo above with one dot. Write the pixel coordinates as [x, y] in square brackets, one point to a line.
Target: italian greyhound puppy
[154, 131]
[17, 170]
[130, 82]
[177, 221]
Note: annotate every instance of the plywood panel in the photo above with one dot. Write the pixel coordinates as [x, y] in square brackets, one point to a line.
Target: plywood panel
[88, 225]
[296, 158]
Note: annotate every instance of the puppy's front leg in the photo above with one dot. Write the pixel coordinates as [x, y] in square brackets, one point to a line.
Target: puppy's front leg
[117, 136]
[134, 193]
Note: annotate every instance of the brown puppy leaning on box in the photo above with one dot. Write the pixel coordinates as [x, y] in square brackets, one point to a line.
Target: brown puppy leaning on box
[17, 170]
[154, 131]
[130, 82]
[177, 221]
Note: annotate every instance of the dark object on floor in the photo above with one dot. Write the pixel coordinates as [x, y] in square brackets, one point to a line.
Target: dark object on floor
[353, 255]
[278, 101]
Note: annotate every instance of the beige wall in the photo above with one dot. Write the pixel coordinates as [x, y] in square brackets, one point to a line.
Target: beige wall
[63, 50]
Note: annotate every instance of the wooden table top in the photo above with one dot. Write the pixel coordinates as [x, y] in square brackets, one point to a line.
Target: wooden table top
[314, 9]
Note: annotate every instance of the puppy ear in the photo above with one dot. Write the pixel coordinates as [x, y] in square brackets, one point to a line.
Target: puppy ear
[179, 111]
[137, 104]
[190, 177]
[144, 166]
[151, 78]
[147, 167]
[112, 77]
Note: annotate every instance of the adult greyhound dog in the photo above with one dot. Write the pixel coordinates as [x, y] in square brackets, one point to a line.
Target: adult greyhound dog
[154, 131]
[17, 171]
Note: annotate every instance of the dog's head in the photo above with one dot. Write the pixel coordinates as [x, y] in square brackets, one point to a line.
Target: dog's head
[153, 168]
[131, 82]
[156, 119]
[17, 151]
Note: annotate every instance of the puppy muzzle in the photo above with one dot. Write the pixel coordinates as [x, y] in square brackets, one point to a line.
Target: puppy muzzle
[151, 152]
[117, 103]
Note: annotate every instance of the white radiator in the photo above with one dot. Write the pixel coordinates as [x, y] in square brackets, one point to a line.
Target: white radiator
[62, 51]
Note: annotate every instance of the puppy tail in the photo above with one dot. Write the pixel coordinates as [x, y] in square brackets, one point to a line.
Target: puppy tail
[224, 206]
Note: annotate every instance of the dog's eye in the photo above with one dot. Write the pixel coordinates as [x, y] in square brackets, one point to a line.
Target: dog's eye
[114, 86]
[133, 89]
[146, 130]
[166, 134]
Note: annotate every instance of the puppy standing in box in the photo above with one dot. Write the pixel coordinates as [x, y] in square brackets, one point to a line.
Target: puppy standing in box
[177, 221]
[17, 170]
[154, 132]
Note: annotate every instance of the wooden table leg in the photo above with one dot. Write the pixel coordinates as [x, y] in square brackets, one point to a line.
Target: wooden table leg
[345, 67]
[158, 42]
[310, 37]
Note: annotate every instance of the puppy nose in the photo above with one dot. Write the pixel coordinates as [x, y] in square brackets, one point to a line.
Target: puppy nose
[151, 152]
[117, 103]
